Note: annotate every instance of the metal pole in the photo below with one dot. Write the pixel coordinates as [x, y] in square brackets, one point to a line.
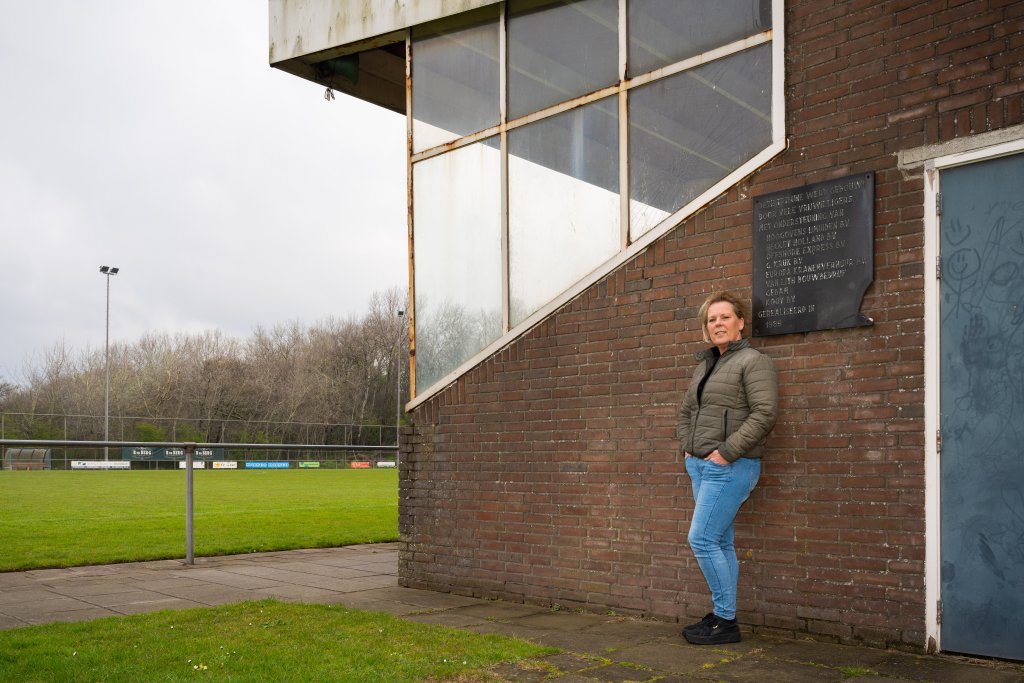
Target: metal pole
[398, 388]
[106, 382]
[107, 271]
[189, 531]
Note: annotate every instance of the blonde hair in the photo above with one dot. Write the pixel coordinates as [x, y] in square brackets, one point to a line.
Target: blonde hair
[716, 297]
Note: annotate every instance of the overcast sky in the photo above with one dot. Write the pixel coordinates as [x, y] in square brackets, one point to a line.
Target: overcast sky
[155, 137]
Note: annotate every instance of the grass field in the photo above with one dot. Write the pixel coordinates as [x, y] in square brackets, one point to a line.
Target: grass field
[70, 518]
[253, 641]
[64, 518]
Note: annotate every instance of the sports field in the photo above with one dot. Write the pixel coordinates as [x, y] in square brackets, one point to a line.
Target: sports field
[70, 518]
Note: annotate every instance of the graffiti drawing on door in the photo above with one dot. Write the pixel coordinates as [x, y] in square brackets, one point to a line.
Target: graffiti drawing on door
[982, 408]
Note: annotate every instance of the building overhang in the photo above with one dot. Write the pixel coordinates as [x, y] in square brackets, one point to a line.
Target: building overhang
[353, 46]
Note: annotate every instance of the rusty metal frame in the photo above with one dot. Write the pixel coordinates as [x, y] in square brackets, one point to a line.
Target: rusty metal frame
[623, 127]
[411, 304]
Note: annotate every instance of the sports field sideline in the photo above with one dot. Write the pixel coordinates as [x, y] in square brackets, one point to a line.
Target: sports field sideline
[70, 518]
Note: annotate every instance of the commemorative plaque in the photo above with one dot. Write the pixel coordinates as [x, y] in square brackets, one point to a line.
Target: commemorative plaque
[813, 256]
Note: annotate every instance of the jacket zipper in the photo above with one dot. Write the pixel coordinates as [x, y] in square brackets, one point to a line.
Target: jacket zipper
[696, 414]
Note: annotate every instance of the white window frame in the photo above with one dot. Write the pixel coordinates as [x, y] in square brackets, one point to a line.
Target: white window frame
[775, 35]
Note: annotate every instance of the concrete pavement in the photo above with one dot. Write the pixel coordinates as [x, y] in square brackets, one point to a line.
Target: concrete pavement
[605, 648]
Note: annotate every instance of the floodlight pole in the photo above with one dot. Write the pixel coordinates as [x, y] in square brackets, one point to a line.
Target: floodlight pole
[398, 387]
[108, 271]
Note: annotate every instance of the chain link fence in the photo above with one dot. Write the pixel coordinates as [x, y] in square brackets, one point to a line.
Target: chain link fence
[61, 427]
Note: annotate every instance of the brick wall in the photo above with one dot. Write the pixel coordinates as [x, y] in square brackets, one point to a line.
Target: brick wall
[550, 473]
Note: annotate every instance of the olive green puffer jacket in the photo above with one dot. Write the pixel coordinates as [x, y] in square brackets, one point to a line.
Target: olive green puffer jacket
[738, 406]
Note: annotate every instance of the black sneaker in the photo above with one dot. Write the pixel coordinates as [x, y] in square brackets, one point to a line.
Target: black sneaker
[715, 631]
[692, 628]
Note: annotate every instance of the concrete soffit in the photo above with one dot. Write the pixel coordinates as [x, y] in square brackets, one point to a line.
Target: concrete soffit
[911, 160]
[353, 46]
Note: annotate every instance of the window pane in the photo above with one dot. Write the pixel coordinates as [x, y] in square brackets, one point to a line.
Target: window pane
[689, 131]
[663, 32]
[455, 81]
[457, 255]
[558, 51]
[563, 202]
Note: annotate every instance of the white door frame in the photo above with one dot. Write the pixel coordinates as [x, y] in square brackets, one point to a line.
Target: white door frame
[933, 548]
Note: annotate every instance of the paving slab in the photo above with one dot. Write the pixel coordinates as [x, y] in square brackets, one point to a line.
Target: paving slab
[160, 584]
[752, 669]
[234, 579]
[677, 658]
[7, 621]
[87, 588]
[367, 603]
[365, 583]
[501, 611]
[943, 670]
[594, 648]
[594, 645]
[522, 672]
[620, 673]
[25, 594]
[296, 593]
[423, 599]
[155, 605]
[49, 606]
[805, 650]
[297, 578]
[128, 597]
[207, 594]
[560, 621]
[513, 630]
[637, 630]
[87, 614]
[13, 580]
[569, 663]
[450, 619]
[326, 570]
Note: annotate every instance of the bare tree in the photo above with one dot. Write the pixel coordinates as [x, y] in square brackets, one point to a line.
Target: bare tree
[213, 387]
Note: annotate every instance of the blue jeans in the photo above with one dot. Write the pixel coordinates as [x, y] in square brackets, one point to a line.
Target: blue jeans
[718, 493]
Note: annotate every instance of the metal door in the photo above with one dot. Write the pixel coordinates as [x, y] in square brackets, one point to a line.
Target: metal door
[982, 407]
